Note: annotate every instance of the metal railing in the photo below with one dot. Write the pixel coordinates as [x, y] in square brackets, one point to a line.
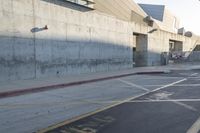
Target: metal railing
[184, 56]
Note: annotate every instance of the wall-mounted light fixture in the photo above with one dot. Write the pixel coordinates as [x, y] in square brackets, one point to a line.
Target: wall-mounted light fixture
[45, 27]
[188, 34]
[149, 20]
[36, 29]
[153, 30]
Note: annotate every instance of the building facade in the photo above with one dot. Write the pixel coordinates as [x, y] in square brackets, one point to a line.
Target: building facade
[43, 38]
[163, 17]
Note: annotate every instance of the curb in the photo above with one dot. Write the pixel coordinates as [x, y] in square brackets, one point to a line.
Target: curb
[19, 92]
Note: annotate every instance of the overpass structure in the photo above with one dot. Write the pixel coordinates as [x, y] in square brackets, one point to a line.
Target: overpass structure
[42, 38]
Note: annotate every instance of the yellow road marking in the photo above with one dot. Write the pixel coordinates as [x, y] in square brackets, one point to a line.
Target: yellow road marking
[103, 109]
[195, 128]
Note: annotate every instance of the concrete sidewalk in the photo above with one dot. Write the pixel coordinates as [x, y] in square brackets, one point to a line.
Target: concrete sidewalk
[13, 88]
[184, 66]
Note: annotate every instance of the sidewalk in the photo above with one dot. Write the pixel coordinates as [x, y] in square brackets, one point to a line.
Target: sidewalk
[184, 66]
[13, 88]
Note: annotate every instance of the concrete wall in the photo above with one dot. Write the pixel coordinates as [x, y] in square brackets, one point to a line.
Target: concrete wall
[170, 21]
[77, 40]
[158, 42]
[126, 10]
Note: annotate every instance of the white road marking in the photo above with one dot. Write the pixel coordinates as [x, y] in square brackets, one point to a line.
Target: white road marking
[176, 102]
[168, 85]
[151, 101]
[115, 103]
[166, 97]
[133, 85]
[108, 107]
[194, 74]
[161, 95]
[185, 105]
[147, 77]
[195, 128]
[194, 77]
[183, 85]
[101, 102]
[168, 100]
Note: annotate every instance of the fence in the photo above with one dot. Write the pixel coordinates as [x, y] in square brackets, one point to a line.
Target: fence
[182, 56]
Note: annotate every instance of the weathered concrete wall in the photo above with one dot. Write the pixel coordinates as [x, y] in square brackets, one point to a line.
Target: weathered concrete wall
[77, 40]
[126, 10]
[158, 42]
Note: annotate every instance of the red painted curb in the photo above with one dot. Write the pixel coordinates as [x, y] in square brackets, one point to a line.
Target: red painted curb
[59, 86]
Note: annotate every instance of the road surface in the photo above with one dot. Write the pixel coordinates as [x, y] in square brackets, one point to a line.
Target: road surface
[161, 103]
[170, 108]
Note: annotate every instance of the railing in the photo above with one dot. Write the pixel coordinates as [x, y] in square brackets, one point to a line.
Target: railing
[184, 56]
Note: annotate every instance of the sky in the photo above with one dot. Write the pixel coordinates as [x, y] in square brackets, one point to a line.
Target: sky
[188, 11]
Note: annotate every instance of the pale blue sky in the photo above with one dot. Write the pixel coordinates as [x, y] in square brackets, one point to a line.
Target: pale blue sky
[187, 10]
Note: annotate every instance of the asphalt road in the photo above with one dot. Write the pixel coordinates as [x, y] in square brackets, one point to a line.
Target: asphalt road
[170, 104]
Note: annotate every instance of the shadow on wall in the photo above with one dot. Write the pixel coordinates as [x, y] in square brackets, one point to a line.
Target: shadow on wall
[69, 5]
[144, 58]
[28, 58]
